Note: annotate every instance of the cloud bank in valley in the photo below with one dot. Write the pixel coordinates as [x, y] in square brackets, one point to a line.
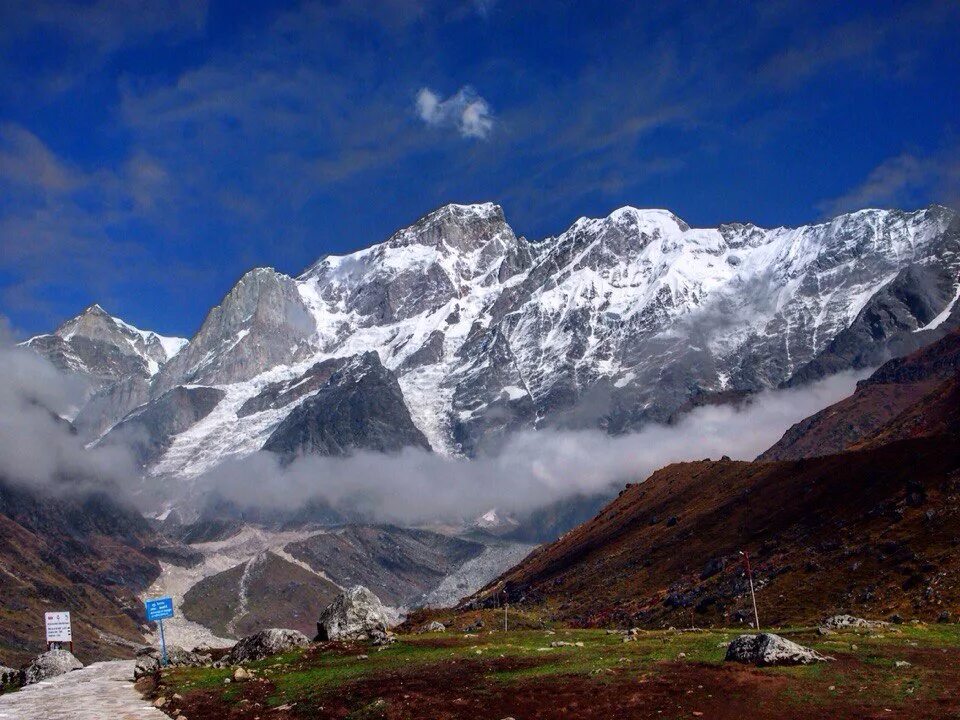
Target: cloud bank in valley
[37, 447]
[531, 470]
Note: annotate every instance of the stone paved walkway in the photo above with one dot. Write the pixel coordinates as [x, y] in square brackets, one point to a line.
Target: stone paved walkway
[101, 691]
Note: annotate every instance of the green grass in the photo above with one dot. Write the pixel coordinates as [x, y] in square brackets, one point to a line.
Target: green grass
[868, 675]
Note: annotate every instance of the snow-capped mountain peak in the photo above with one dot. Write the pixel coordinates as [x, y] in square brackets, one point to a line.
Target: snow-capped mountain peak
[615, 322]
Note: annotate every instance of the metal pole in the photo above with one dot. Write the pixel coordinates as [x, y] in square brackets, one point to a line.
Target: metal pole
[504, 610]
[753, 595]
[163, 643]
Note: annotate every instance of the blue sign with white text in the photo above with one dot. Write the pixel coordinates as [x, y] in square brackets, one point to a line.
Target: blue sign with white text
[159, 608]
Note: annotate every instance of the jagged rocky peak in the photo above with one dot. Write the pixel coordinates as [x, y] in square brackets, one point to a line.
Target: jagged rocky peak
[261, 323]
[95, 323]
[359, 407]
[462, 228]
[445, 255]
[105, 350]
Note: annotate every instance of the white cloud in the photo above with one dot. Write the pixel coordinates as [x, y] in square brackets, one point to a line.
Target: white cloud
[466, 111]
[532, 469]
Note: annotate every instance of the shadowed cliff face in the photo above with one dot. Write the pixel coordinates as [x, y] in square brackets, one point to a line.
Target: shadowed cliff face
[360, 407]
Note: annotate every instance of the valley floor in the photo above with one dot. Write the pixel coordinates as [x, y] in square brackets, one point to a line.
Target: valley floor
[910, 671]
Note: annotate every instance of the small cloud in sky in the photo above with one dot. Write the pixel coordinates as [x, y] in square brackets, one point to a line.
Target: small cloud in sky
[905, 180]
[484, 7]
[466, 111]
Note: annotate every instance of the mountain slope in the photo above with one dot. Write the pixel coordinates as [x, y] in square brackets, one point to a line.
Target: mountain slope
[869, 531]
[401, 565]
[617, 322]
[896, 387]
[77, 552]
[115, 360]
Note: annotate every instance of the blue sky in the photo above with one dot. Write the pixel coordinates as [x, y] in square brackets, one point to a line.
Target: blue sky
[151, 152]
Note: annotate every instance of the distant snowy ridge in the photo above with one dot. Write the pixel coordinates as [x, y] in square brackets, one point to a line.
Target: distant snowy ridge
[617, 322]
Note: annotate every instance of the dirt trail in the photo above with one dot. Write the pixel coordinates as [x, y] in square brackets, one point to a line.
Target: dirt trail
[101, 691]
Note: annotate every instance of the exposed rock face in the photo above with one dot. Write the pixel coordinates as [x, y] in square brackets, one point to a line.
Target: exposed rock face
[110, 404]
[150, 430]
[360, 407]
[401, 563]
[50, 664]
[9, 676]
[357, 614]
[768, 649]
[115, 359]
[261, 323]
[266, 643]
[150, 659]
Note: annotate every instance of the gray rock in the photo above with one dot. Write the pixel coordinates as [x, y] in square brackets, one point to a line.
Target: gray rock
[837, 622]
[433, 627]
[357, 614]
[266, 643]
[50, 664]
[769, 649]
[148, 660]
[9, 676]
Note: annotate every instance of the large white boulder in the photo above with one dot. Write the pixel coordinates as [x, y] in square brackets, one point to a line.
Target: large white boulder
[266, 643]
[50, 664]
[357, 614]
[769, 649]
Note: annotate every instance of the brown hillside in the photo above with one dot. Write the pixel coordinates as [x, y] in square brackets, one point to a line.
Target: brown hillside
[894, 388]
[872, 532]
[85, 554]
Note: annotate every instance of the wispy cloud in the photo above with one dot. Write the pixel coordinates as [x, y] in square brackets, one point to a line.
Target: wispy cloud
[904, 180]
[465, 110]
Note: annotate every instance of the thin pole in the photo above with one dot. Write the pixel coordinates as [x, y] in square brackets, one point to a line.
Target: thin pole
[753, 595]
[504, 610]
[163, 643]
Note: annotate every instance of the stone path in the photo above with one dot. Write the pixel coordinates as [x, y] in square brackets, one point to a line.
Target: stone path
[101, 691]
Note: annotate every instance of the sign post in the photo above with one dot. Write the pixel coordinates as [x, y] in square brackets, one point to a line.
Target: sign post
[158, 609]
[58, 629]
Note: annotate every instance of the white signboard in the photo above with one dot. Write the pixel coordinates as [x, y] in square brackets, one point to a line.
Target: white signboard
[58, 627]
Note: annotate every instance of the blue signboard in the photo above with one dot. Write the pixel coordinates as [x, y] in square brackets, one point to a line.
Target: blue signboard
[159, 608]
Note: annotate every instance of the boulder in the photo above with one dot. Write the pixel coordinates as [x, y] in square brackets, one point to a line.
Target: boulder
[432, 627]
[769, 649]
[149, 660]
[266, 643]
[357, 614]
[9, 676]
[849, 621]
[50, 664]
